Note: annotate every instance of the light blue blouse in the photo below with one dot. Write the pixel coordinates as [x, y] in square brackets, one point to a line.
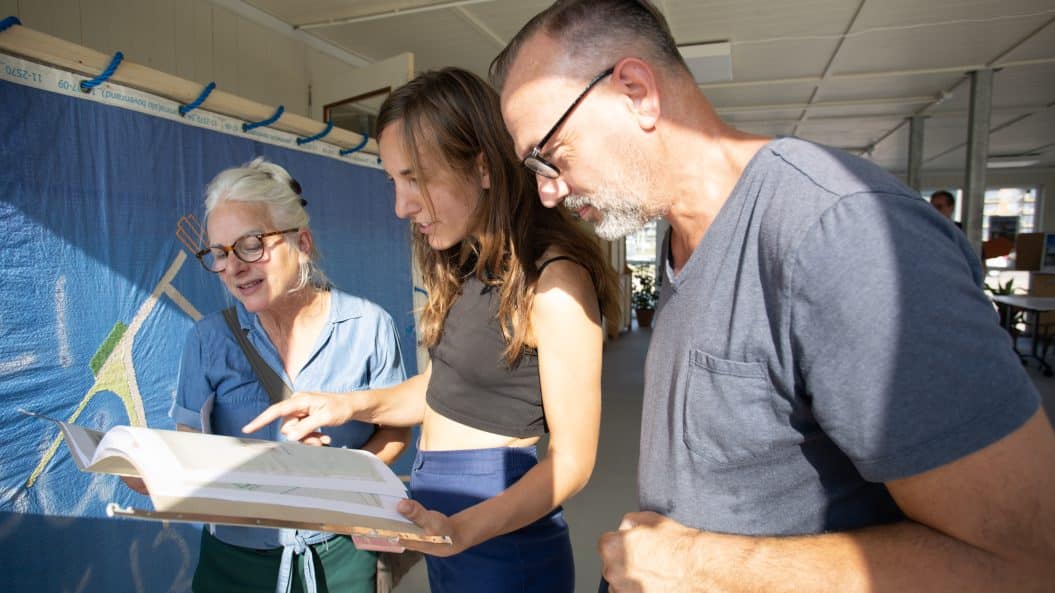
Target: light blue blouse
[218, 391]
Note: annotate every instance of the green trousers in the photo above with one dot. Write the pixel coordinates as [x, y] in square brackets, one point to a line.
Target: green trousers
[339, 567]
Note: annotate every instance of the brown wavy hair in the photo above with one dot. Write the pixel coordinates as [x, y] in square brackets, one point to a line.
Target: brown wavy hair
[456, 114]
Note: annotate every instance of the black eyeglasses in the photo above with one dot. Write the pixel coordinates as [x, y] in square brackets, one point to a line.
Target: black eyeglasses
[535, 161]
[249, 249]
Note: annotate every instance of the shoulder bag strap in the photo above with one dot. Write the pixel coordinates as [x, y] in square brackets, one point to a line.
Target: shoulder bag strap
[276, 388]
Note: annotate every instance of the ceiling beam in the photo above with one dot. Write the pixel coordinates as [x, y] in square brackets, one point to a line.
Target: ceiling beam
[255, 15]
[823, 104]
[994, 129]
[879, 117]
[385, 14]
[995, 62]
[828, 67]
[481, 27]
[948, 92]
[877, 74]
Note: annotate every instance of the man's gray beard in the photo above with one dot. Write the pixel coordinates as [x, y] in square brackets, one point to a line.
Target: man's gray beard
[619, 215]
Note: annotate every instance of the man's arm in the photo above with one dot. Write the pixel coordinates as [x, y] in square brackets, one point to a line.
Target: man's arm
[985, 522]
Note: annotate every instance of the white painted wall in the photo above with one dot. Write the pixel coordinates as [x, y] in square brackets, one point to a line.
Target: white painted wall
[332, 84]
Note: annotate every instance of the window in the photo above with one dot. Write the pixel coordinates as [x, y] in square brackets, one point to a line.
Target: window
[1007, 211]
[641, 246]
[1019, 202]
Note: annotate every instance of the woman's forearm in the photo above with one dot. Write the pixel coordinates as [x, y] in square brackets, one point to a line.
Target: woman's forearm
[544, 487]
[305, 413]
[401, 405]
[388, 443]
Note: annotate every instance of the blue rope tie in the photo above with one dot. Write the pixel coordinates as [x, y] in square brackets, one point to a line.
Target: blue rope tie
[88, 85]
[9, 22]
[356, 148]
[266, 122]
[185, 109]
[322, 134]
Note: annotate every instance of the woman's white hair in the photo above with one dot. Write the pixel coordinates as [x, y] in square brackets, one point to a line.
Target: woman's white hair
[262, 182]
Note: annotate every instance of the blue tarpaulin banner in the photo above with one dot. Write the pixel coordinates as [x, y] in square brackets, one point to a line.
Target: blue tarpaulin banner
[100, 211]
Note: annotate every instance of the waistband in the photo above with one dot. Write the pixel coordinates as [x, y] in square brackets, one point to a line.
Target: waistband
[469, 461]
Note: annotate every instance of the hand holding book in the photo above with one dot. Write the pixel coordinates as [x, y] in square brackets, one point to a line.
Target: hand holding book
[218, 479]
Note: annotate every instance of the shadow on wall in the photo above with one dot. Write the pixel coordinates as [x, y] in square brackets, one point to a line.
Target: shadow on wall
[44, 553]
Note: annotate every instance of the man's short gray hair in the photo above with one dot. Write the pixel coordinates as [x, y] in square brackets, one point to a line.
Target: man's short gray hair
[594, 29]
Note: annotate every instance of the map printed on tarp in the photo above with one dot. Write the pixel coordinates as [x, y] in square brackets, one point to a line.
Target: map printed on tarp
[100, 212]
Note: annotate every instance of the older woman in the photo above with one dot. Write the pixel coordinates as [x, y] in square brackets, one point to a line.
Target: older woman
[314, 337]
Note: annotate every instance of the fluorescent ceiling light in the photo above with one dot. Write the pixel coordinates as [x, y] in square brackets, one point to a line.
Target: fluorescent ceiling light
[1012, 161]
[709, 62]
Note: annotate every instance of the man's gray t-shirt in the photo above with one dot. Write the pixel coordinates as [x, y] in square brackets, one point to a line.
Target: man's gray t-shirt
[828, 334]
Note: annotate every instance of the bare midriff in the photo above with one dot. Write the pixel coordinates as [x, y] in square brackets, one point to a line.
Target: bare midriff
[440, 433]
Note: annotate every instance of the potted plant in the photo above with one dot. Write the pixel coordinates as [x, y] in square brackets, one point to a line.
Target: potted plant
[1007, 288]
[644, 296]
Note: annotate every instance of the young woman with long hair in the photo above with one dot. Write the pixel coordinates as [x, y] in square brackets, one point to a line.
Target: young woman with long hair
[517, 296]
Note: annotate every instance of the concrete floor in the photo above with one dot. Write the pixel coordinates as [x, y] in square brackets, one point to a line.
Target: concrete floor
[612, 490]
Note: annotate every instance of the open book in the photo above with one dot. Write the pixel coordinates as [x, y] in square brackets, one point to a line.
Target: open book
[219, 479]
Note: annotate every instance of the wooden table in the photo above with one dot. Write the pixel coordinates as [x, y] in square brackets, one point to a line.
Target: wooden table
[1008, 305]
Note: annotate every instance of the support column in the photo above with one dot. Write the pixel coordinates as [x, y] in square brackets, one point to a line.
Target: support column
[977, 155]
[662, 227]
[915, 150]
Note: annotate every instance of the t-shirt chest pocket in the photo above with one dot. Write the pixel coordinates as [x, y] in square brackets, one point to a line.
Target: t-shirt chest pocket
[729, 414]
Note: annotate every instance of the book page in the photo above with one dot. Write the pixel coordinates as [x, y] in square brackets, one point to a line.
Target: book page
[195, 477]
[83, 444]
[209, 459]
[353, 503]
[122, 452]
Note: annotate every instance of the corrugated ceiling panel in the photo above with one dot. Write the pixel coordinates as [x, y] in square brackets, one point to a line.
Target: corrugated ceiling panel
[1040, 46]
[303, 12]
[771, 39]
[929, 47]
[1025, 135]
[886, 86]
[439, 38]
[696, 21]
[759, 95]
[912, 13]
[1025, 85]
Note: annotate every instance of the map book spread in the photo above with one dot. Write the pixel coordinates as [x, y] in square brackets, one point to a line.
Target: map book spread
[239, 481]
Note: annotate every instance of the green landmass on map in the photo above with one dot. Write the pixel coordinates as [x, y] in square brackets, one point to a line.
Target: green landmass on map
[107, 347]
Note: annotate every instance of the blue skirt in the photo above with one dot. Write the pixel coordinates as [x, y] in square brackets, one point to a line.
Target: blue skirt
[534, 558]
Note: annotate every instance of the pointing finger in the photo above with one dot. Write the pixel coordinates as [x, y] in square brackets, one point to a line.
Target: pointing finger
[297, 429]
[269, 415]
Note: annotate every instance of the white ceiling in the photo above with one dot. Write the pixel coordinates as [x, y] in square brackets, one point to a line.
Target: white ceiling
[842, 72]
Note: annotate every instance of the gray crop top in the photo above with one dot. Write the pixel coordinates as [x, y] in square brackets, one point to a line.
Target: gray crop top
[471, 382]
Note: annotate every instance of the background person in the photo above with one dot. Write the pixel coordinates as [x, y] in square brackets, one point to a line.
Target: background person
[809, 424]
[314, 337]
[516, 295]
[944, 202]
